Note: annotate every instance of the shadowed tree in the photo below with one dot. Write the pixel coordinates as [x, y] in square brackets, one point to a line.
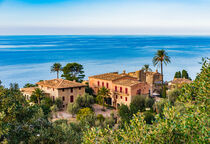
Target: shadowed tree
[185, 74]
[161, 57]
[104, 93]
[146, 68]
[178, 75]
[56, 67]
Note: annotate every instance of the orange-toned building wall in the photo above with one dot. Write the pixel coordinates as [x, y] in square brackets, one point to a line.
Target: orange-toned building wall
[119, 97]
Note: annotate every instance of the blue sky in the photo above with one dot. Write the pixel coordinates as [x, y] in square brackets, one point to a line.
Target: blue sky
[174, 17]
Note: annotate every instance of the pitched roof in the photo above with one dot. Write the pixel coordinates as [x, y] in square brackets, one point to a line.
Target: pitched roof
[127, 82]
[180, 81]
[60, 83]
[28, 90]
[107, 76]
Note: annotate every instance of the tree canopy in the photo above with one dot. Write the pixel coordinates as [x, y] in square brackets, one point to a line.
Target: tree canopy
[178, 75]
[73, 71]
[56, 67]
[183, 74]
[146, 68]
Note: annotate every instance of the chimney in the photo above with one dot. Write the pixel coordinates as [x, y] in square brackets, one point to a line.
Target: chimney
[124, 72]
[156, 70]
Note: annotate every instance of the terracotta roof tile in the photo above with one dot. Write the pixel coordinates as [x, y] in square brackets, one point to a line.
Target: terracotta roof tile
[127, 82]
[180, 81]
[60, 83]
[107, 76]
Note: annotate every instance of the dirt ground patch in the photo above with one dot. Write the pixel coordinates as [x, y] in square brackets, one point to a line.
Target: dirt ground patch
[97, 108]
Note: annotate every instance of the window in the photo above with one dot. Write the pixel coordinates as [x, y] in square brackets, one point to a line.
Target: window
[98, 83]
[71, 99]
[102, 84]
[126, 99]
[63, 90]
[138, 92]
[116, 96]
[120, 89]
[126, 90]
[71, 90]
[121, 97]
[63, 98]
[63, 106]
[79, 88]
[53, 98]
[116, 88]
[107, 85]
[53, 89]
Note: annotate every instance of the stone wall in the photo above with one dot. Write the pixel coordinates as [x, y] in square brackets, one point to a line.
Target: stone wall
[64, 94]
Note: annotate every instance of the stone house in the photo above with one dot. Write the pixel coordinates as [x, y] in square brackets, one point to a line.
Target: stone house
[66, 90]
[178, 82]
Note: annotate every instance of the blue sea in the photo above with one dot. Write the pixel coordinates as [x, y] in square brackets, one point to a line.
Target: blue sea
[27, 59]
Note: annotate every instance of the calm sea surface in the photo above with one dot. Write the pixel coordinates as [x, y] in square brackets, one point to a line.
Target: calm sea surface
[26, 59]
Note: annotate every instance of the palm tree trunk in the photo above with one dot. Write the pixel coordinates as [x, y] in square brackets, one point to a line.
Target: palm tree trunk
[57, 74]
[103, 103]
[38, 100]
[162, 75]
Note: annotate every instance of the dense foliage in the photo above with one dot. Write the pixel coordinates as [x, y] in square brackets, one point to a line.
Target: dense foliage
[138, 104]
[73, 71]
[185, 122]
[183, 74]
[89, 90]
[84, 101]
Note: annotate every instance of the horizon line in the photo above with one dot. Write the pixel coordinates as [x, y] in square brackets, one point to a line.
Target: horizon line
[104, 34]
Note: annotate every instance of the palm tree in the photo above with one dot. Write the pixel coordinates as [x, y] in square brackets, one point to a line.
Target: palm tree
[104, 93]
[56, 67]
[161, 57]
[39, 94]
[146, 68]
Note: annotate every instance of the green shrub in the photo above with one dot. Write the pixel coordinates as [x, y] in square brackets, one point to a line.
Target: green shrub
[100, 117]
[149, 117]
[73, 108]
[58, 102]
[173, 95]
[138, 104]
[149, 102]
[124, 113]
